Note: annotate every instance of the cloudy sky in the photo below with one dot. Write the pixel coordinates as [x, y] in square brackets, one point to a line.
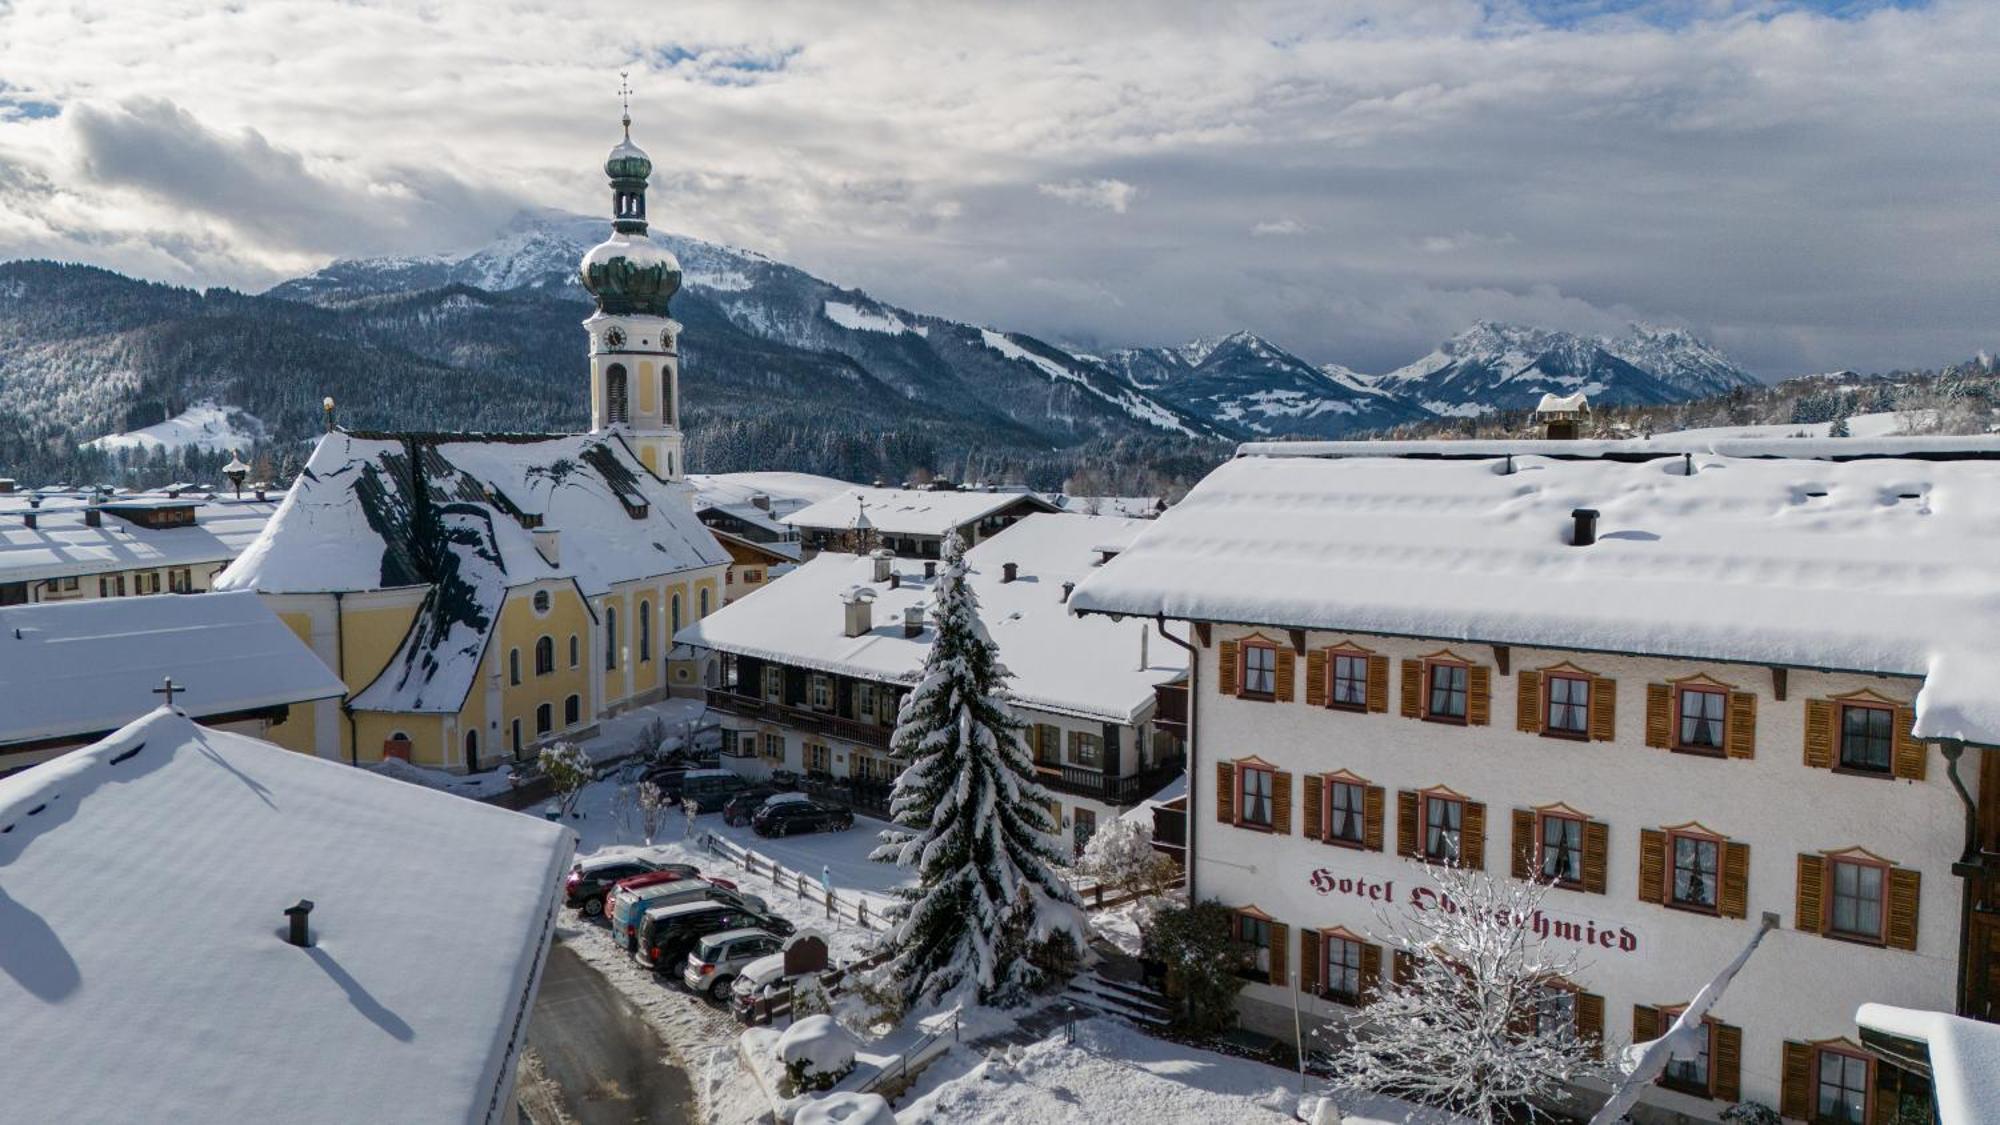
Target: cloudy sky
[1812, 184]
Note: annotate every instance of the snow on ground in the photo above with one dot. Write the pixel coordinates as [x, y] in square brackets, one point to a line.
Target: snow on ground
[1888, 423]
[1114, 1073]
[870, 320]
[206, 426]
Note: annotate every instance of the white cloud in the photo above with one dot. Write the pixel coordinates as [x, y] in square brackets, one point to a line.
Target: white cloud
[1107, 195]
[1270, 228]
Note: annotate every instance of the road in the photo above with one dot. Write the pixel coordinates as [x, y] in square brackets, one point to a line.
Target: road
[600, 1063]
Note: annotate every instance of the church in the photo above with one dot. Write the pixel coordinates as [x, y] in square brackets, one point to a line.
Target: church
[483, 594]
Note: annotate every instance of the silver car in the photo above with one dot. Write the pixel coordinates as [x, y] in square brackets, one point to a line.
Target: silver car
[719, 957]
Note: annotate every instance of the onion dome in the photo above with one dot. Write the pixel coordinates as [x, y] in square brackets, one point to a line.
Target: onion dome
[628, 162]
[629, 273]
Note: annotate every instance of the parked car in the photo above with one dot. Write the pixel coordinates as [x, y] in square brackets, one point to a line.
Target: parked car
[761, 980]
[711, 789]
[590, 879]
[669, 932]
[668, 772]
[783, 818]
[738, 810]
[717, 958]
[627, 909]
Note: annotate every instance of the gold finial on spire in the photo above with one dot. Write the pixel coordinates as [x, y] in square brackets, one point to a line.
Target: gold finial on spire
[625, 102]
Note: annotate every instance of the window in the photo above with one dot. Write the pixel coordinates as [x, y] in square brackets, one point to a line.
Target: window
[545, 656]
[1562, 849]
[1444, 818]
[1047, 744]
[864, 702]
[545, 719]
[1346, 818]
[514, 666]
[1568, 706]
[575, 651]
[1866, 737]
[1841, 1096]
[1695, 867]
[1447, 692]
[1857, 899]
[674, 620]
[540, 601]
[751, 577]
[572, 710]
[471, 751]
[614, 393]
[818, 758]
[180, 580]
[822, 692]
[516, 731]
[774, 746]
[1701, 719]
[69, 585]
[1555, 1011]
[1260, 669]
[1253, 800]
[610, 638]
[1255, 933]
[1343, 968]
[701, 600]
[1086, 750]
[1688, 1073]
[645, 631]
[774, 683]
[1350, 682]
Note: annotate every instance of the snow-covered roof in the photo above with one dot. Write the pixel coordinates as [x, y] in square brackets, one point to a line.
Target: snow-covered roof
[1574, 403]
[1638, 449]
[909, 511]
[1964, 1057]
[1080, 666]
[79, 669]
[799, 489]
[145, 971]
[1137, 507]
[1881, 566]
[62, 545]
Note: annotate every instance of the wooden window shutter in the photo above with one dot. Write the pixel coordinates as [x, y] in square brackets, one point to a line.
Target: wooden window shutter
[1287, 671]
[1524, 844]
[1406, 823]
[1402, 967]
[1603, 708]
[1819, 733]
[1904, 885]
[1372, 800]
[1472, 840]
[1590, 1017]
[1795, 1091]
[1659, 716]
[1652, 865]
[1309, 960]
[1371, 970]
[1528, 702]
[1726, 1076]
[1227, 670]
[1315, 787]
[1809, 910]
[1316, 678]
[1734, 902]
[1225, 792]
[1908, 762]
[1281, 944]
[1596, 849]
[1742, 724]
[1281, 802]
[1479, 695]
[1413, 689]
[1645, 1024]
[1378, 683]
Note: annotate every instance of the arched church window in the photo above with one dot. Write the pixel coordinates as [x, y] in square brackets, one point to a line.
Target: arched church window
[645, 630]
[667, 393]
[614, 393]
[610, 639]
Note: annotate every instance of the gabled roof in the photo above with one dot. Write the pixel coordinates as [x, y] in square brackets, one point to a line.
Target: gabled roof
[80, 669]
[911, 511]
[1881, 566]
[794, 490]
[62, 545]
[1089, 667]
[144, 971]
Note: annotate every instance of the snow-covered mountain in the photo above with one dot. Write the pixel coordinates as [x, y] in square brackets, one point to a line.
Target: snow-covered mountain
[1251, 385]
[1494, 367]
[1680, 359]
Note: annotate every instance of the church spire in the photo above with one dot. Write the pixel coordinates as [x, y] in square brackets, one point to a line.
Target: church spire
[628, 273]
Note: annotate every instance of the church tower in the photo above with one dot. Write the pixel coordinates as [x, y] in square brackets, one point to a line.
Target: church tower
[634, 361]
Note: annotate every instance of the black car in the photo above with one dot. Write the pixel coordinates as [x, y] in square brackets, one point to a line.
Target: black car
[667, 936]
[783, 818]
[739, 809]
[591, 879]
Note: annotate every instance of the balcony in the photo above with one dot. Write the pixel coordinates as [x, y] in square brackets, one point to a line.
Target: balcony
[799, 718]
[1078, 781]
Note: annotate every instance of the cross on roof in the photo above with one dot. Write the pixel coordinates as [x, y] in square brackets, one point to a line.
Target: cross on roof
[625, 102]
[169, 689]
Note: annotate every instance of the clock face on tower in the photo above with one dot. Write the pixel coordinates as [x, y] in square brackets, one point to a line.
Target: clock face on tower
[615, 338]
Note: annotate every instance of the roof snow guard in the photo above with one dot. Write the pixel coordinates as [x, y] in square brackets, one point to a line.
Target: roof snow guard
[1879, 565]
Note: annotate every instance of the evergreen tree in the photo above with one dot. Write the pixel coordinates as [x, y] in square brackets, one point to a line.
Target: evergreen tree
[973, 823]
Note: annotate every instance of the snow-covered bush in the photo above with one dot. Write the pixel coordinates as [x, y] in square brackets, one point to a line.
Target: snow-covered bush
[847, 1109]
[1044, 962]
[1751, 1113]
[809, 997]
[568, 770]
[1122, 858]
[1204, 960]
[816, 1052]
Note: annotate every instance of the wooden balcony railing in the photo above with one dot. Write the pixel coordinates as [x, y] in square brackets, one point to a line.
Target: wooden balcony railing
[800, 718]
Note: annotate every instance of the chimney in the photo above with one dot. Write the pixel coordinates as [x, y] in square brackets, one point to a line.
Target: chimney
[93, 516]
[28, 518]
[1067, 587]
[860, 603]
[930, 568]
[1009, 571]
[297, 916]
[913, 621]
[1586, 527]
[6, 485]
[895, 580]
[1142, 646]
[884, 559]
[260, 490]
[548, 544]
[761, 501]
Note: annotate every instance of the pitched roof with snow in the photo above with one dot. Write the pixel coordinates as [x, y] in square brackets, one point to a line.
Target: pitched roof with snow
[1964, 1057]
[79, 669]
[1881, 566]
[62, 545]
[1081, 666]
[1721, 442]
[145, 973]
[795, 489]
[910, 511]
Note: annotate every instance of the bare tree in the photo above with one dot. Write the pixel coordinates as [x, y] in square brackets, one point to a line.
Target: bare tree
[653, 806]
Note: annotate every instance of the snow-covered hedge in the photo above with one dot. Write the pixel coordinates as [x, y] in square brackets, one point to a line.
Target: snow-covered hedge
[816, 1052]
[847, 1109]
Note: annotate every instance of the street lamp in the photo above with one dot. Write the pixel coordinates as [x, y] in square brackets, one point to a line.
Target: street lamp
[236, 470]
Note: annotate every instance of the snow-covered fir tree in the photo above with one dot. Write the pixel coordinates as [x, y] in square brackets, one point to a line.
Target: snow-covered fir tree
[972, 822]
[1480, 1023]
